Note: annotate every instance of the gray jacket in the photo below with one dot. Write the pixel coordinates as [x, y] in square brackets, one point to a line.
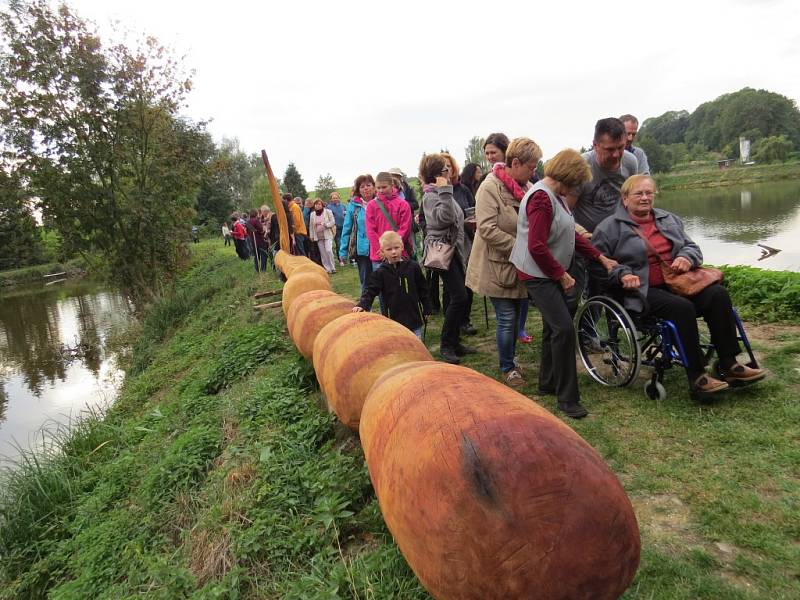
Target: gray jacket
[444, 220]
[616, 238]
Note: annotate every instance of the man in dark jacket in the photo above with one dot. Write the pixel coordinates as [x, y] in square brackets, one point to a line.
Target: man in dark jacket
[256, 233]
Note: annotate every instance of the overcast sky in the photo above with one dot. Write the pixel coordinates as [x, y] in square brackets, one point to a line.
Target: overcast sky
[354, 87]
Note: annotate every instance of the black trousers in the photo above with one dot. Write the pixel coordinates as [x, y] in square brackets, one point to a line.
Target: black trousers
[557, 371]
[453, 281]
[714, 305]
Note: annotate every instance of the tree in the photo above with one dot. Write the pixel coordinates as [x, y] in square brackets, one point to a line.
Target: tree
[96, 131]
[260, 192]
[325, 186]
[20, 242]
[293, 182]
[474, 152]
[669, 128]
[750, 113]
[657, 156]
[775, 148]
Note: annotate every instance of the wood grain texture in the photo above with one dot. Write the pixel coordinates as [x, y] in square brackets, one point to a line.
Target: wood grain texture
[488, 495]
[353, 351]
[301, 283]
[310, 312]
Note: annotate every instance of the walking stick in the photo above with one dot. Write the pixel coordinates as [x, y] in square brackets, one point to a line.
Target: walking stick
[486, 311]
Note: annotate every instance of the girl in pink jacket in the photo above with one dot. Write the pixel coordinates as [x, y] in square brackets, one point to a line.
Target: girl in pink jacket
[387, 212]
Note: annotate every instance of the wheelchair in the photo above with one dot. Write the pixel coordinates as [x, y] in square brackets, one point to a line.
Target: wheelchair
[613, 345]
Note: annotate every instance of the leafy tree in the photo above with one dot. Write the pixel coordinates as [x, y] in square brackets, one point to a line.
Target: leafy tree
[214, 202]
[294, 182]
[227, 183]
[748, 112]
[96, 130]
[474, 153]
[657, 155]
[669, 128]
[325, 186]
[20, 243]
[775, 148]
[260, 192]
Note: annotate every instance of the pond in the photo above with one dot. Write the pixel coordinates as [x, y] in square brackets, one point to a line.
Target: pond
[728, 223]
[55, 362]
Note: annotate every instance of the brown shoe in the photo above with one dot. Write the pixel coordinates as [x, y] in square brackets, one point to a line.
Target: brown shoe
[742, 374]
[513, 378]
[705, 384]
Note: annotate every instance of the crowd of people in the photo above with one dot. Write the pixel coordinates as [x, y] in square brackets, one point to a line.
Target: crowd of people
[516, 237]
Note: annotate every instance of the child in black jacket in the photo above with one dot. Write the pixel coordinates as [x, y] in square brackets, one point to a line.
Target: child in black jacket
[402, 284]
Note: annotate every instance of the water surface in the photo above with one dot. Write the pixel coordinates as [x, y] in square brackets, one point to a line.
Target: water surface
[54, 357]
[728, 223]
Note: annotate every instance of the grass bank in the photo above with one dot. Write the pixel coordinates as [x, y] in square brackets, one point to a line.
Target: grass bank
[36, 273]
[709, 175]
[217, 474]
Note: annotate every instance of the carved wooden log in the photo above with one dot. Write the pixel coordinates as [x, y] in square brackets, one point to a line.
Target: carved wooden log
[351, 352]
[307, 267]
[301, 283]
[310, 312]
[488, 495]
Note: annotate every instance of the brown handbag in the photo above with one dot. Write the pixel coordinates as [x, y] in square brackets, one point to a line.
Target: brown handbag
[686, 284]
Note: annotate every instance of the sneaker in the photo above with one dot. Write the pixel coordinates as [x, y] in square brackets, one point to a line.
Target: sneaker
[525, 338]
[513, 379]
[705, 384]
[462, 350]
[518, 366]
[739, 375]
[449, 356]
[573, 409]
[468, 329]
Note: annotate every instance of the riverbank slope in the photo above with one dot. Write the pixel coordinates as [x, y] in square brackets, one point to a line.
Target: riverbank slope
[709, 175]
[218, 473]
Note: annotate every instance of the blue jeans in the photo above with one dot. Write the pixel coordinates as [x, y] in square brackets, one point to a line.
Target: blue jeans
[375, 265]
[506, 311]
[523, 315]
[364, 265]
[418, 333]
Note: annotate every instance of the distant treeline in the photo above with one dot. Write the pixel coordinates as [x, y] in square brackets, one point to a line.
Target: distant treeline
[770, 121]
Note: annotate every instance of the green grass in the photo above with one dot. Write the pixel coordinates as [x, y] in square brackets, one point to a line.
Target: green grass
[217, 474]
[708, 175]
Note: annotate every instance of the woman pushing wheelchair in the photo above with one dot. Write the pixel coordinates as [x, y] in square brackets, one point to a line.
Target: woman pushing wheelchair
[657, 259]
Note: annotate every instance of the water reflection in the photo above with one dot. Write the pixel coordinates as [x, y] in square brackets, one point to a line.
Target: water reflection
[728, 223]
[54, 359]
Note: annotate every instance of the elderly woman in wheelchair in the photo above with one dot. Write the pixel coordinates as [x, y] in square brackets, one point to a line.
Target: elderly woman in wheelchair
[651, 247]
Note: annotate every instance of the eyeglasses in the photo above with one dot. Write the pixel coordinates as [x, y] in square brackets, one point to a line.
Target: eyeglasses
[642, 194]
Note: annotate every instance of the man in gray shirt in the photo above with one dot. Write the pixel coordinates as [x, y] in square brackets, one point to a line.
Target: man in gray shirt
[611, 165]
[631, 124]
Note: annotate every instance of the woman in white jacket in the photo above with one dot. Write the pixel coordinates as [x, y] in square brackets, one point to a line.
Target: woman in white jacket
[322, 229]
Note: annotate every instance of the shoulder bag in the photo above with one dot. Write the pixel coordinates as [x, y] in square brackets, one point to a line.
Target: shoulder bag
[686, 284]
[406, 246]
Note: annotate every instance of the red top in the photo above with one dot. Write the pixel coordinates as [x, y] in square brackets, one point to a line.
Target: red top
[239, 232]
[660, 244]
[540, 216]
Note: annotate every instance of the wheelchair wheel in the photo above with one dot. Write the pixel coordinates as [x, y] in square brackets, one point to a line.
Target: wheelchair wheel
[606, 339]
[655, 391]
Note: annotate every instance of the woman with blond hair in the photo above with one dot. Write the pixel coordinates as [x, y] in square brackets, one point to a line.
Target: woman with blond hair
[490, 272]
[543, 251]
